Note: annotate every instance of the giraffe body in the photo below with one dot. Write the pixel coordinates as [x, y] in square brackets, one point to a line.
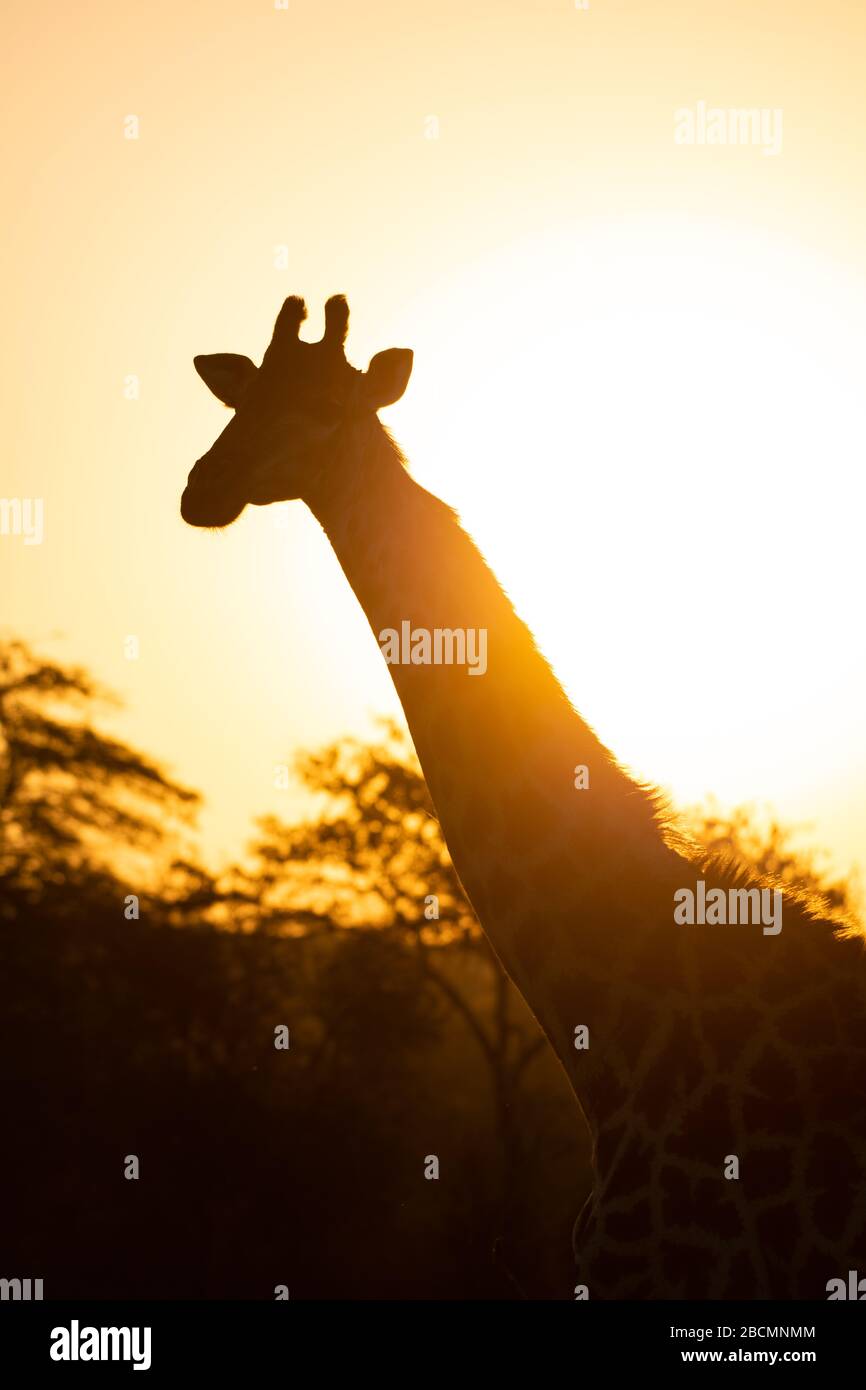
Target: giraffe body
[723, 1081]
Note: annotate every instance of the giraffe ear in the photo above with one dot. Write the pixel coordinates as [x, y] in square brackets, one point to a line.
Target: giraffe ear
[228, 374]
[387, 376]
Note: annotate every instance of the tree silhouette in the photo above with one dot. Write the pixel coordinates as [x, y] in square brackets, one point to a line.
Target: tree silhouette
[353, 929]
[69, 794]
[746, 835]
[377, 858]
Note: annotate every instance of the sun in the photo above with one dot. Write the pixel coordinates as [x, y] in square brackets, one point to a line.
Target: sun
[656, 433]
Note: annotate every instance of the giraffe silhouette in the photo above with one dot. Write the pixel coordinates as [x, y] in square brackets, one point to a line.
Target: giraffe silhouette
[720, 1061]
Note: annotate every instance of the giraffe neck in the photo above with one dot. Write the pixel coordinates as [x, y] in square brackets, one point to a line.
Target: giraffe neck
[540, 859]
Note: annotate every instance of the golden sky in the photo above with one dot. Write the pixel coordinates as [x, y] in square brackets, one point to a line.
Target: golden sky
[639, 367]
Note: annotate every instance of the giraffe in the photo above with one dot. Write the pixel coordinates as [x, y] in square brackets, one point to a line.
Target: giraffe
[720, 1068]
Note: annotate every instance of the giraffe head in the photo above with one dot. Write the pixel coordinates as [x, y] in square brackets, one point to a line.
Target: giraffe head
[290, 414]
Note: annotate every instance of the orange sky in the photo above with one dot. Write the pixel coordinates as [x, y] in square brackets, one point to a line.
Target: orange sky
[639, 366]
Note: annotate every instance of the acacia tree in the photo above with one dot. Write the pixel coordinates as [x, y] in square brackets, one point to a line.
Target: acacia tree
[71, 796]
[765, 845]
[377, 859]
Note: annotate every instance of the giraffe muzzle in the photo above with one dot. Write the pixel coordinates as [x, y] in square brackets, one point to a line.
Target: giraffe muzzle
[212, 496]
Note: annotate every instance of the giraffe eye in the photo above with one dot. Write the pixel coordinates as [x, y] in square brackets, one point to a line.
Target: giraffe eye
[326, 411]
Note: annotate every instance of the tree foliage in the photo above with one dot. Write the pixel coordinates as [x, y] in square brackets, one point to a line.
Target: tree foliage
[71, 795]
[760, 841]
